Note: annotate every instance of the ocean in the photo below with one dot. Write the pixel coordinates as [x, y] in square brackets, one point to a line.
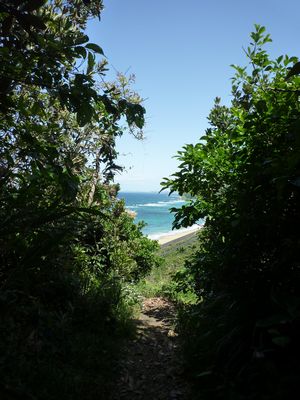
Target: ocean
[154, 209]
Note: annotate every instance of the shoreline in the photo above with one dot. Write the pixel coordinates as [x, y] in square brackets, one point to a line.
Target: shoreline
[167, 238]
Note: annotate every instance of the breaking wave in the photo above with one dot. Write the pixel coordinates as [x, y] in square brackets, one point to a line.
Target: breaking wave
[158, 204]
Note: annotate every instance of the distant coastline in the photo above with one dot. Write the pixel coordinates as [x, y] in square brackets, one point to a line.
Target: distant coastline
[163, 238]
[154, 209]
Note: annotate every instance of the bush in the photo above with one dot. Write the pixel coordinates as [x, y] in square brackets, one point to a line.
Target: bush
[244, 179]
[67, 246]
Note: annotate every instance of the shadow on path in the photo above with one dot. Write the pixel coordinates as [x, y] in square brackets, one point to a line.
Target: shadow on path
[151, 368]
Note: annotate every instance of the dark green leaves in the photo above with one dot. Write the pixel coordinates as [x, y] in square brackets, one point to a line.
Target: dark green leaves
[29, 21]
[261, 106]
[81, 51]
[295, 182]
[97, 49]
[67, 244]
[81, 39]
[85, 113]
[258, 36]
[243, 176]
[32, 5]
[295, 70]
[91, 63]
[135, 114]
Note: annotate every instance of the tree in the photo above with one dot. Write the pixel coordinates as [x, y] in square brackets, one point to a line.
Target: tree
[244, 178]
[67, 246]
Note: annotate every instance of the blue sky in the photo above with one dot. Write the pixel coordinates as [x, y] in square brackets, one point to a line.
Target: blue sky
[180, 52]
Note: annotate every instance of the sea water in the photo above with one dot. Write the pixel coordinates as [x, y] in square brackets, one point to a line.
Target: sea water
[154, 209]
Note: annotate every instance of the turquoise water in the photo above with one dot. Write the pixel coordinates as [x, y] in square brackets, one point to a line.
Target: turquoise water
[154, 209]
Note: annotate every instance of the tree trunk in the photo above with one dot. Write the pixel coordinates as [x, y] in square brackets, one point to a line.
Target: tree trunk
[95, 179]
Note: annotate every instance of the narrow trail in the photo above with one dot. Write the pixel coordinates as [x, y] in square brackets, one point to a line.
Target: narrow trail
[151, 368]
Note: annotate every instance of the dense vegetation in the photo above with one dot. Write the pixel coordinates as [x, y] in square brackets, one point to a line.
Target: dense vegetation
[163, 280]
[242, 338]
[69, 253]
[67, 247]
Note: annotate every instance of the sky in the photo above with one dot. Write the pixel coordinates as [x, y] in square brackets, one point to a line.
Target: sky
[180, 53]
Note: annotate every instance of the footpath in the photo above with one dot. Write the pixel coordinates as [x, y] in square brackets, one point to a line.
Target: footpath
[151, 368]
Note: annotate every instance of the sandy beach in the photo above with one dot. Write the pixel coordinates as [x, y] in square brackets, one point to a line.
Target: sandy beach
[177, 235]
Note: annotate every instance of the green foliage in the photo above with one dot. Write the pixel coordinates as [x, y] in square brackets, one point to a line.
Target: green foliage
[243, 176]
[166, 278]
[68, 249]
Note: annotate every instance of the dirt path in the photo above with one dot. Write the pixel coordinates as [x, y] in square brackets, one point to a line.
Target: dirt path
[151, 369]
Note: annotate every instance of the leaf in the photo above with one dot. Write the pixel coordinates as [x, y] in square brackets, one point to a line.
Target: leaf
[268, 68]
[81, 39]
[29, 20]
[6, 25]
[84, 114]
[261, 106]
[108, 104]
[33, 5]
[235, 223]
[205, 373]
[295, 181]
[91, 63]
[272, 320]
[279, 59]
[281, 341]
[81, 51]
[295, 70]
[95, 48]
[261, 29]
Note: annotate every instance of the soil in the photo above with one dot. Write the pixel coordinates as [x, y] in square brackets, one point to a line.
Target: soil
[151, 368]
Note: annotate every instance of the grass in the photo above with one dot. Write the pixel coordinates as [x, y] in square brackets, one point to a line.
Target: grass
[161, 280]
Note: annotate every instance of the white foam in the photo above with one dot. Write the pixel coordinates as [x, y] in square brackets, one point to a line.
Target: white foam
[158, 204]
